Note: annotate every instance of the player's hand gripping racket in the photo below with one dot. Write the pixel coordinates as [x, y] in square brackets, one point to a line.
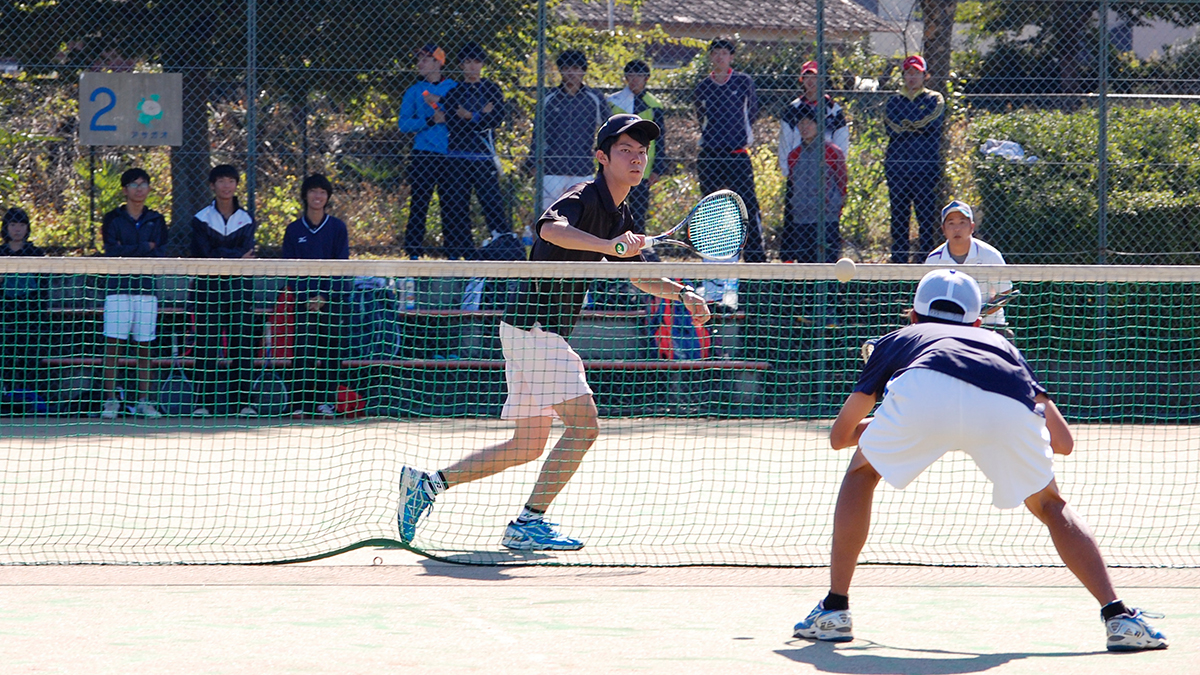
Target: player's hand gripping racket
[715, 229]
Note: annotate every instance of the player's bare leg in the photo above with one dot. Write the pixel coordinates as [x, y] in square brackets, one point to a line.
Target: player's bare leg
[851, 521]
[582, 423]
[530, 531]
[528, 442]
[1074, 541]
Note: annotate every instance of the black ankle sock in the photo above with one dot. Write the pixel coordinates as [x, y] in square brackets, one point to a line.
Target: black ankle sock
[1114, 608]
[835, 601]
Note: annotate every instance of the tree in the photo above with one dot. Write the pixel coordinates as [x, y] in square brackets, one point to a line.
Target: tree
[337, 48]
[1051, 46]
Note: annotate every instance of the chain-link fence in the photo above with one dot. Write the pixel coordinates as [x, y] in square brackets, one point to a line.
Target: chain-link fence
[1068, 125]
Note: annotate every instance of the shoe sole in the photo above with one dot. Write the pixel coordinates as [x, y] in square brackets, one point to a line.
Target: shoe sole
[526, 546]
[836, 638]
[1124, 648]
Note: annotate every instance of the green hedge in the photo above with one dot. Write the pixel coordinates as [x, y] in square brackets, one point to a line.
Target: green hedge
[1047, 211]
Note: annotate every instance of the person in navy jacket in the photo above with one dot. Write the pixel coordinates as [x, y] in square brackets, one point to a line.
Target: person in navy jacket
[421, 113]
[913, 163]
[224, 304]
[131, 308]
[727, 106]
[473, 111]
[320, 301]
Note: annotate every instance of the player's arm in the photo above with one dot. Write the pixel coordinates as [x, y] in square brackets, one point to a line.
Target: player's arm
[1061, 441]
[561, 233]
[668, 289]
[851, 421]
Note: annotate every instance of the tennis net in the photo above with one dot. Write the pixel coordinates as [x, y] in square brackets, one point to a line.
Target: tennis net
[278, 431]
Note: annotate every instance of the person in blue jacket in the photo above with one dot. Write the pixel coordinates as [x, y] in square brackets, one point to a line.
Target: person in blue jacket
[913, 163]
[130, 307]
[473, 111]
[320, 301]
[421, 113]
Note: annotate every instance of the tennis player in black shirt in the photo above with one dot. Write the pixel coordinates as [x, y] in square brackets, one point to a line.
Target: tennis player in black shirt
[545, 376]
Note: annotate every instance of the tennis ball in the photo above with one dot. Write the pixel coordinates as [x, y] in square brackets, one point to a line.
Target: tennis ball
[844, 270]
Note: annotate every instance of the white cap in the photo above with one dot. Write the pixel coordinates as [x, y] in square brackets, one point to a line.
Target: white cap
[952, 285]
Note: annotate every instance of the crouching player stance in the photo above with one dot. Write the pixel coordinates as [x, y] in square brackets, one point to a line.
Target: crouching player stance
[948, 385]
[545, 377]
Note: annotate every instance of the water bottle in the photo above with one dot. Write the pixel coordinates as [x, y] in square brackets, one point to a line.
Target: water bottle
[472, 298]
[730, 296]
[410, 293]
[527, 237]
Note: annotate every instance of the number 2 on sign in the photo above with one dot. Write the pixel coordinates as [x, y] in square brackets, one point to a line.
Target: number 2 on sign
[112, 103]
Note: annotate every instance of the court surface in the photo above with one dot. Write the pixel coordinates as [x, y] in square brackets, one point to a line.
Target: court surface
[711, 490]
[387, 610]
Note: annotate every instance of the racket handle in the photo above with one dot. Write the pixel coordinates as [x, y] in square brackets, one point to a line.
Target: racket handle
[620, 247]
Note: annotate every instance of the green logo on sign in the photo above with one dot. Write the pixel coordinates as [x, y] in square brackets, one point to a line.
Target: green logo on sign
[149, 110]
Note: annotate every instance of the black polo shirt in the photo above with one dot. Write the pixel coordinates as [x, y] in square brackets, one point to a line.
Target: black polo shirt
[556, 303]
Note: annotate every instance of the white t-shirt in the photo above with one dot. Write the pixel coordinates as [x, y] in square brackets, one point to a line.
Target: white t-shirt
[981, 253]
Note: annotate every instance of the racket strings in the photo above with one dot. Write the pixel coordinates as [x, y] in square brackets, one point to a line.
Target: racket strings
[716, 229]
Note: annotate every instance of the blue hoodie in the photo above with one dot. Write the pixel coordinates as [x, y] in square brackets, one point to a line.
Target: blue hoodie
[416, 116]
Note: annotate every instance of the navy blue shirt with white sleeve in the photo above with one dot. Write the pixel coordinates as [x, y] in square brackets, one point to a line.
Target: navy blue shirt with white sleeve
[976, 356]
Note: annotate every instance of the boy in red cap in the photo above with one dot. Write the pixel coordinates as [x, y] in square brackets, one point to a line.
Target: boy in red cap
[913, 163]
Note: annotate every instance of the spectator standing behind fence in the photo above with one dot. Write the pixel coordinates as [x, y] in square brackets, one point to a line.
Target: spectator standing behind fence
[320, 301]
[836, 128]
[421, 114]
[21, 315]
[799, 241]
[635, 100]
[572, 112]
[913, 163]
[473, 111]
[727, 105]
[130, 306]
[962, 248]
[224, 305]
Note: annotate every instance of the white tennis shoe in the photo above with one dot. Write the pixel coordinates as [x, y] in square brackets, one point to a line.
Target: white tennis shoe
[1132, 633]
[833, 625]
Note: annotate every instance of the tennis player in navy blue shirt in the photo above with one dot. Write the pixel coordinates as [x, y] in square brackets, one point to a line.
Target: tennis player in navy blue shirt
[545, 377]
[320, 301]
[948, 385]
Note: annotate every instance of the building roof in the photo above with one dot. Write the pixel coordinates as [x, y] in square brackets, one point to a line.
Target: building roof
[753, 20]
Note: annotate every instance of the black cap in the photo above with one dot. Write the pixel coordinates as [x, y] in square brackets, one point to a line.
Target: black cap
[472, 52]
[722, 43]
[624, 123]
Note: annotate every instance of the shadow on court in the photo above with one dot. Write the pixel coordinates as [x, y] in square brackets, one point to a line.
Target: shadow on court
[859, 659]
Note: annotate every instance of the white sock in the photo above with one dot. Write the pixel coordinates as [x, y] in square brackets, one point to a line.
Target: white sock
[529, 515]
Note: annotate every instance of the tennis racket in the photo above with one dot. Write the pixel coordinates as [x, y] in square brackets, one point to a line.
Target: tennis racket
[998, 302]
[715, 229]
[990, 307]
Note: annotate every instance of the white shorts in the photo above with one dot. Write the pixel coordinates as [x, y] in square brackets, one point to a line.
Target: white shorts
[926, 414]
[128, 316]
[553, 187]
[541, 371]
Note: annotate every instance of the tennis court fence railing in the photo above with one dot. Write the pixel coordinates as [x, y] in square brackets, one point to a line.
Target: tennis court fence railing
[269, 413]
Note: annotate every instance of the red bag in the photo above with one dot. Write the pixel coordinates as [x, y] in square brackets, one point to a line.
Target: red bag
[349, 402]
[279, 336]
[676, 337]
